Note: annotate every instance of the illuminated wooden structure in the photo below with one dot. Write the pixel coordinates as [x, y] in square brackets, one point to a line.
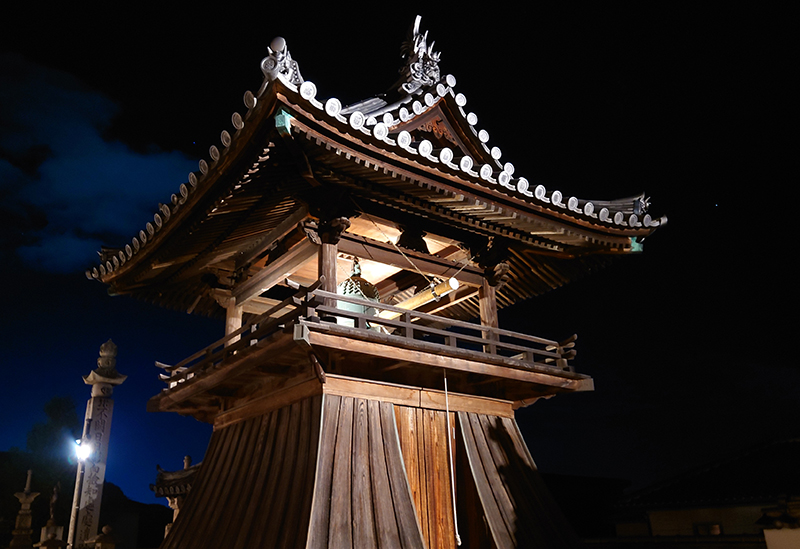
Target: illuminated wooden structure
[331, 426]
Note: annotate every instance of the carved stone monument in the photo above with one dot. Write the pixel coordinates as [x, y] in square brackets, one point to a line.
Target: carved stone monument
[96, 429]
[22, 531]
[51, 528]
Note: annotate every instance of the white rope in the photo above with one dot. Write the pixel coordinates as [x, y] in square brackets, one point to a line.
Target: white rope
[450, 461]
[396, 247]
[431, 283]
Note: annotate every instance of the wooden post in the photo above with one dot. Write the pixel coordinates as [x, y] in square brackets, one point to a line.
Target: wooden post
[327, 268]
[233, 320]
[330, 231]
[488, 306]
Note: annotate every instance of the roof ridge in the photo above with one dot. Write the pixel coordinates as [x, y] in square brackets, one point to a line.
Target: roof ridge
[429, 89]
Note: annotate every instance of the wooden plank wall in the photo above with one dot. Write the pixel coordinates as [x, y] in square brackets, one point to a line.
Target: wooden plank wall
[255, 486]
[339, 471]
[516, 504]
[423, 440]
[362, 497]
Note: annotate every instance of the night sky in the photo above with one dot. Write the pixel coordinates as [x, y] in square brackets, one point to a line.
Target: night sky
[690, 344]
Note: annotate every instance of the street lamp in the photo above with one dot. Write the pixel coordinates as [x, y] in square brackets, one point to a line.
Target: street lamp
[83, 451]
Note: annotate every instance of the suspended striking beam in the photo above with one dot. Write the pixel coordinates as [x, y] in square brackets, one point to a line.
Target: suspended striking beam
[383, 252]
[425, 296]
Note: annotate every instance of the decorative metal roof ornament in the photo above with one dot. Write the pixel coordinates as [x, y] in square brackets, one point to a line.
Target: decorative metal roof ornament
[422, 63]
[641, 205]
[279, 61]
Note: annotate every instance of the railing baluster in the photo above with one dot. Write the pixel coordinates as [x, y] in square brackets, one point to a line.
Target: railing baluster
[408, 324]
[491, 337]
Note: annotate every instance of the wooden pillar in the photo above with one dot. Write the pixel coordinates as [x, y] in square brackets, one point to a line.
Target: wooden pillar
[327, 267]
[487, 296]
[487, 299]
[330, 231]
[233, 319]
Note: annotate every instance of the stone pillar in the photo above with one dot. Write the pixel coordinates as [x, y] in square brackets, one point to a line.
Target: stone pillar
[22, 528]
[96, 429]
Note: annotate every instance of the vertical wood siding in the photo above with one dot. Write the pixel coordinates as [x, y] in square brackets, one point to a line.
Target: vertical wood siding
[516, 504]
[255, 485]
[344, 472]
[423, 439]
[362, 497]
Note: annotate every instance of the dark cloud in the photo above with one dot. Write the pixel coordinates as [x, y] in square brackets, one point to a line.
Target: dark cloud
[64, 188]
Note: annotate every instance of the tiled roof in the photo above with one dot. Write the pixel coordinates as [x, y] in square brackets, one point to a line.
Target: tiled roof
[414, 155]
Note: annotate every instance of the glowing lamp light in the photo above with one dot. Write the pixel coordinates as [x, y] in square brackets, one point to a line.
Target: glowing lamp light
[83, 451]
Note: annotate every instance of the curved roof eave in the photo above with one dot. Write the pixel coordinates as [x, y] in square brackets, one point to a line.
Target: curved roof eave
[622, 218]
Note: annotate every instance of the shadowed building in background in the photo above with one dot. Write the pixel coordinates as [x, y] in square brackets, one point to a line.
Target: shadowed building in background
[750, 500]
[367, 412]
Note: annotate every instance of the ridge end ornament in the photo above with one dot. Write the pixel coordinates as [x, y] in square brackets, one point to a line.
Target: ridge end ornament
[279, 62]
[422, 62]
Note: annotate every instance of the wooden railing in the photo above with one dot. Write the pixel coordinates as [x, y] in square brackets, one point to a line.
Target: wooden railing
[257, 329]
[310, 304]
[450, 332]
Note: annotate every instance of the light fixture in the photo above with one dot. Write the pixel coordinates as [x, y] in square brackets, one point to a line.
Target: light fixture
[83, 449]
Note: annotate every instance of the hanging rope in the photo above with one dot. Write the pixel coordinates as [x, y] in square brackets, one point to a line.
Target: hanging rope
[396, 247]
[430, 282]
[450, 460]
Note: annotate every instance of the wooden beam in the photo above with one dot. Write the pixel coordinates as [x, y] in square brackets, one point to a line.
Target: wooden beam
[384, 252]
[399, 282]
[421, 298]
[416, 397]
[465, 403]
[386, 392]
[260, 305]
[275, 272]
[277, 233]
[266, 403]
[451, 363]
[253, 306]
[435, 307]
[233, 367]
